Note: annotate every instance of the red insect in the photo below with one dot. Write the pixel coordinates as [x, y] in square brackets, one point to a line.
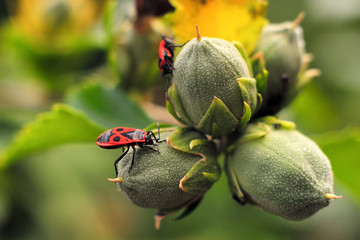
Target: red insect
[166, 55]
[121, 137]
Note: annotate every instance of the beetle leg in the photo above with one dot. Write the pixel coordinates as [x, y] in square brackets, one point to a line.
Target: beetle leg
[158, 132]
[117, 160]
[155, 150]
[167, 86]
[178, 45]
[133, 158]
[168, 60]
[157, 139]
[153, 135]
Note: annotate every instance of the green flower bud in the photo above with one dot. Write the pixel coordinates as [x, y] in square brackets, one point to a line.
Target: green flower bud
[175, 177]
[281, 170]
[282, 49]
[212, 87]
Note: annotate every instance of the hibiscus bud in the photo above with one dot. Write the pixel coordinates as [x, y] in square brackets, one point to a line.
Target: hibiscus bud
[212, 88]
[279, 169]
[281, 49]
[176, 176]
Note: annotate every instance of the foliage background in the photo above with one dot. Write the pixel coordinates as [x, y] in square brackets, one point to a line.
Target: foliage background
[62, 193]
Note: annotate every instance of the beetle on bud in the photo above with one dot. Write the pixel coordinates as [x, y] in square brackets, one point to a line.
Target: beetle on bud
[212, 88]
[186, 169]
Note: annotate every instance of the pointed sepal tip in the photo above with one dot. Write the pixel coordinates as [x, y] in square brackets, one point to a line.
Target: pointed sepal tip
[118, 179]
[332, 196]
[198, 36]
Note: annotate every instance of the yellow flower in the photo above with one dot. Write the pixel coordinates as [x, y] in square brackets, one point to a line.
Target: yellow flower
[239, 20]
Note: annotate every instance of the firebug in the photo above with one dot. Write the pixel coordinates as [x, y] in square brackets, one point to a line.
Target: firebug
[166, 57]
[121, 137]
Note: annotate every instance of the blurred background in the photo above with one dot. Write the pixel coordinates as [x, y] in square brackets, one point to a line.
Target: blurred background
[100, 58]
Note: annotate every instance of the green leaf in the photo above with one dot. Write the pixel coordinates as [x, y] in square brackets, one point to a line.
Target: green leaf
[259, 102]
[271, 120]
[235, 185]
[162, 126]
[342, 148]
[175, 108]
[186, 139]
[213, 177]
[204, 172]
[218, 113]
[260, 73]
[195, 181]
[243, 54]
[246, 117]
[108, 106]
[171, 110]
[258, 130]
[314, 110]
[199, 142]
[61, 125]
[248, 91]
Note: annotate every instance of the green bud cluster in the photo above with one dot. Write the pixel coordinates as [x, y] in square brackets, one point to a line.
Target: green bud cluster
[220, 94]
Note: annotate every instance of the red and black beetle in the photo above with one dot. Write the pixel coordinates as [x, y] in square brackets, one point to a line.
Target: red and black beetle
[121, 137]
[166, 55]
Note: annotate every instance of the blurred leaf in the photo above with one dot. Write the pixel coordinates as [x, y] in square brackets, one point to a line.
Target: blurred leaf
[56, 61]
[342, 148]
[313, 101]
[108, 106]
[137, 61]
[4, 204]
[153, 127]
[60, 126]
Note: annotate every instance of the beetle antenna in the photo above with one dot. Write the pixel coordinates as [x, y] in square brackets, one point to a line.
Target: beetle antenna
[158, 130]
[153, 135]
[159, 134]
